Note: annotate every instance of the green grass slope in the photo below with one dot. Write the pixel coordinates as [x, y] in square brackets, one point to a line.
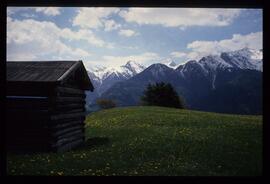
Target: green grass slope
[156, 141]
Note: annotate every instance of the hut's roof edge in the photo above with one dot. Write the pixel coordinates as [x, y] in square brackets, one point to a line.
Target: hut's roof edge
[53, 72]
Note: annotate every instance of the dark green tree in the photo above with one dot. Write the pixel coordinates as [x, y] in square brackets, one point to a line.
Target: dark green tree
[161, 94]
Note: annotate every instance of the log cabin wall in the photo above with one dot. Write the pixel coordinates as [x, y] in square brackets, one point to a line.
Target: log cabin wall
[47, 116]
[67, 115]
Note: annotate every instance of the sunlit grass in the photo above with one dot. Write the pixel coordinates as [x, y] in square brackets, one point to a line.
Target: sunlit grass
[156, 141]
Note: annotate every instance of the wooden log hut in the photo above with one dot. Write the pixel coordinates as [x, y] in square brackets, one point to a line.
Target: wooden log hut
[46, 105]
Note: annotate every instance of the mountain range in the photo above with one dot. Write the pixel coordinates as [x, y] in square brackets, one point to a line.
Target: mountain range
[105, 77]
[230, 82]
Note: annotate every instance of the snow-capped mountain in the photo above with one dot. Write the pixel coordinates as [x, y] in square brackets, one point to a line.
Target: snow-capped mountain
[131, 68]
[213, 62]
[245, 58]
[128, 70]
[170, 63]
[159, 69]
[241, 59]
[219, 83]
[104, 77]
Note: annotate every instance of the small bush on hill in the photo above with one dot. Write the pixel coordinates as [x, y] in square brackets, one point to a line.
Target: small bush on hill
[105, 103]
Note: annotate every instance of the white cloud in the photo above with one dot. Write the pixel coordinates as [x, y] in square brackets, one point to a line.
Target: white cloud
[178, 54]
[238, 41]
[80, 52]
[26, 30]
[127, 32]
[50, 11]
[180, 17]
[201, 48]
[110, 25]
[113, 61]
[31, 39]
[10, 11]
[13, 10]
[27, 15]
[129, 47]
[21, 57]
[84, 34]
[93, 17]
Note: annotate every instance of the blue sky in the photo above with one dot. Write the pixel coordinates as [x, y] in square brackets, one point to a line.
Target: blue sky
[112, 36]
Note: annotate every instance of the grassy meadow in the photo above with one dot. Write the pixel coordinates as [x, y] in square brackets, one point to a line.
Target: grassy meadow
[155, 141]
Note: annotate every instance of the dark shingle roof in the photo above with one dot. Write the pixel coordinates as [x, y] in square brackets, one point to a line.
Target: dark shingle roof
[37, 71]
[46, 71]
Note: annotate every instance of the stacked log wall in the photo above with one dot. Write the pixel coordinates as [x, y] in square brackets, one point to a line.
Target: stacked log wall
[52, 122]
[67, 118]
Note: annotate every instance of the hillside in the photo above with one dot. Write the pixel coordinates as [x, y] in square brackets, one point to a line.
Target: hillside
[231, 90]
[155, 141]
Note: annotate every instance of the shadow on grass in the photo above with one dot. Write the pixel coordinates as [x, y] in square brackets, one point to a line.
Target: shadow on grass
[88, 144]
[93, 142]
